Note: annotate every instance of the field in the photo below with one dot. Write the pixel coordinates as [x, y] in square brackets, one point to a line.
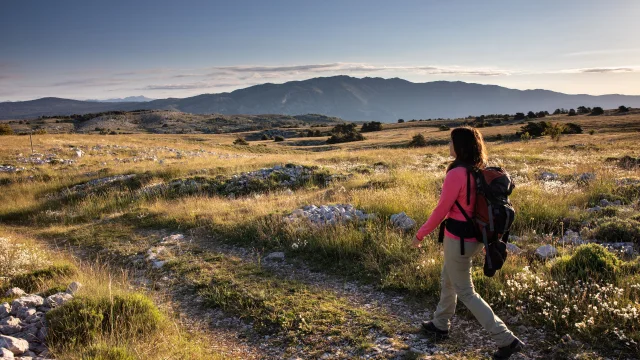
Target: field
[231, 269]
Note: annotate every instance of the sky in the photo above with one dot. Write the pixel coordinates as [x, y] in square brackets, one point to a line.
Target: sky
[167, 48]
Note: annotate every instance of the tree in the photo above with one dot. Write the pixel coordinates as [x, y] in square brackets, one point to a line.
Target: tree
[531, 115]
[541, 114]
[264, 137]
[240, 141]
[519, 116]
[278, 138]
[597, 111]
[623, 109]
[400, 121]
[583, 110]
[572, 112]
[557, 112]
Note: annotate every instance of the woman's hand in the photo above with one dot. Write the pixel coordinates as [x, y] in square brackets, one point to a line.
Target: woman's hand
[416, 243]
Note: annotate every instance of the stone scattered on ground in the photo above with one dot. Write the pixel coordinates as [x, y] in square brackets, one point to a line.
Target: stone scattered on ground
[159, 254]
[586, 177]
[402, 221]
[275, 256]
[546, 252]
[15, 292]
[573, 238]
[100, 182]
[329, 214]
[10, 169]
[41, 159]
[23, 327]
[513, 249]
[626, 249]
[548, 176]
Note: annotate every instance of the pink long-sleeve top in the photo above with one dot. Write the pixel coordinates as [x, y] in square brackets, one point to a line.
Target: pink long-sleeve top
[454, 188]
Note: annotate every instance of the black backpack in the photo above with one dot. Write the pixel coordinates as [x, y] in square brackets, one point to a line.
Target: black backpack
[493, 216]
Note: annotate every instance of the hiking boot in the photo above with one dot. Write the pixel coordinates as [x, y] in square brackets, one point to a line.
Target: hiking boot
[429, 328]
[506, 352]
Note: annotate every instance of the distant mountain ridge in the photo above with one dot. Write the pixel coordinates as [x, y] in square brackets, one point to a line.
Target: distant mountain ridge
[345, 97]
[139, 98]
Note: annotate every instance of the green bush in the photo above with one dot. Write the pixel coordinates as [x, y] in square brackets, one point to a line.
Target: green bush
[31, 281]
[265, 137]
[444, 128]
[83, 320]
[597, 111]
[278, 138]
[102, 352]
[590, 261]
[371, 126]
[619, 230]
[5, 129]
[418, 140]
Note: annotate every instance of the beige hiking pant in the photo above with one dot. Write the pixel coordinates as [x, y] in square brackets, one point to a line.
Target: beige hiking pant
[457, 283]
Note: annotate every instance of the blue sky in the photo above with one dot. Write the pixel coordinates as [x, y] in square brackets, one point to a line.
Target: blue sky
[107, 49]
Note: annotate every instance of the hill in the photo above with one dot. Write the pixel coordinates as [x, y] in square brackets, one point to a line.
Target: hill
[345, 97]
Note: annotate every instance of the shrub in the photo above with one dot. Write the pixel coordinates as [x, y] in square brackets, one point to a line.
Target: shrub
[102, 352]
[444, 128]
[418, 140]
[623, 109]
[83, 320]
[499, 137]
[400, 121]
[525, 137]
[619, 230]
[535, 129]
[572, 128]
[541, 114]
[555, 131]
[591, 132]
[266, 137]
[31, 281]
[5, 129]
[590, 261]
[583, 110]
[278, 138]
[597, 111]
[572, 112]
[371, 126]
[342, 138]
[240, 141]
[519, 116]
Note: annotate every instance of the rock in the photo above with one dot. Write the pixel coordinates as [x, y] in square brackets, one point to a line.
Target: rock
[548, 176]
[5, 310]
[625, 248]
[28, 301]
[5, 354]
[57, 299]
[402, 221]
[594, 209]
[16, 346]
[586, 177]
[10, 321]
[73, 287]
[157, 264]
[546, 252]
[79, 153]
[572, 237]
[15, 292]
[513, 248]
[275, 256]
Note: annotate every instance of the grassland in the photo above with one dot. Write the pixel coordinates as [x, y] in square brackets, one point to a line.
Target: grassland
[223, 265]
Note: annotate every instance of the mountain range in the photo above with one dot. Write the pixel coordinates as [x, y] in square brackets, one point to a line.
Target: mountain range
[346, 97]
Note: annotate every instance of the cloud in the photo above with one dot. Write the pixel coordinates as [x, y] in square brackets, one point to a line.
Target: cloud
[189, 86]
[601, 70]
[90, 82]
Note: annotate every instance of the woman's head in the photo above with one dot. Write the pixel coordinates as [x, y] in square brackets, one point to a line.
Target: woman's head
[467, 146]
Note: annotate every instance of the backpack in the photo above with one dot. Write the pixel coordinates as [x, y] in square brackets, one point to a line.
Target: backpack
[493, 216]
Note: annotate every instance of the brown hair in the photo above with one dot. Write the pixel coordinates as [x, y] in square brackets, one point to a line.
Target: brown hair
[469, 147]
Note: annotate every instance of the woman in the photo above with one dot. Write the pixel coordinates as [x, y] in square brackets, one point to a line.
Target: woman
[468, 149]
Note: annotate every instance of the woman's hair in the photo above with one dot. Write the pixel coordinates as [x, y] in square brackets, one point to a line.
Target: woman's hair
[469, 147]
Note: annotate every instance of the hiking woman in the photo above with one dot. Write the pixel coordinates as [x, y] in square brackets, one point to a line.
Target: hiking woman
[468, 149]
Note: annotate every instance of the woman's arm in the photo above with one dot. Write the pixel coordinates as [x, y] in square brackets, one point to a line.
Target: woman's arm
[453, 182]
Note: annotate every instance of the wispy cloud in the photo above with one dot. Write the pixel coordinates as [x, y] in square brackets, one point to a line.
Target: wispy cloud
[602, 70]
[189, 86]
